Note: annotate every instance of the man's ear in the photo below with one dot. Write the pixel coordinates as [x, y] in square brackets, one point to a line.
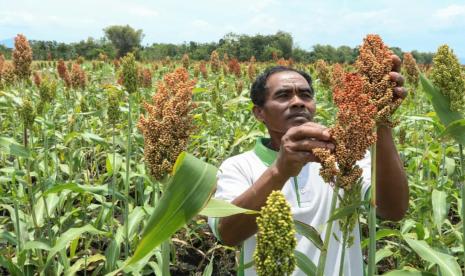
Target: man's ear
[258, 113]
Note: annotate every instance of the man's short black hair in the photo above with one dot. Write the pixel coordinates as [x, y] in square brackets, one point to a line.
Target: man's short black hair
[258, 91]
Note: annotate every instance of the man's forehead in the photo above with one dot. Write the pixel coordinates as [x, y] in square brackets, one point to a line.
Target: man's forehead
[286, 79]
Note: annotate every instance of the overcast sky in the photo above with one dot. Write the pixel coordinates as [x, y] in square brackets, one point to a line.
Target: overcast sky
[421, 25]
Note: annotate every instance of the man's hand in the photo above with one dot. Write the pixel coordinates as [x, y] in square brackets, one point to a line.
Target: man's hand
[399, 90]
[296, 147]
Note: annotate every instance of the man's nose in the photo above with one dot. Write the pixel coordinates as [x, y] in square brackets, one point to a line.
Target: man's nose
[297, 101]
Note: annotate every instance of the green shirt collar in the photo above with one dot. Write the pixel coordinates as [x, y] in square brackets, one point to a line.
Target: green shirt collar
[266, 155]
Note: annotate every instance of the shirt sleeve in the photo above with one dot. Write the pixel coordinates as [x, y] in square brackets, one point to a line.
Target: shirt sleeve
[232, 181]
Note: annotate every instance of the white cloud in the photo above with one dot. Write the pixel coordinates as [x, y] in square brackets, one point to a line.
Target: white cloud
[450, 15]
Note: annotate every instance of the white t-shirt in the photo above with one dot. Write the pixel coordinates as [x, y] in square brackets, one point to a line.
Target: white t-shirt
[236, 174]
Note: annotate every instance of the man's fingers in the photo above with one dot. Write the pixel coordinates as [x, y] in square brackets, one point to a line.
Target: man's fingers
[398, 78]
[307, 145]
[310, 131]
[396, 63]
[400, 92]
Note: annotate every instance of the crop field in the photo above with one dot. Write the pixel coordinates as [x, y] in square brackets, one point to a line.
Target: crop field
[87, 149]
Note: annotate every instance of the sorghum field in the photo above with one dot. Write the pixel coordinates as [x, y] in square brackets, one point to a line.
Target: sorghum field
[87, 148]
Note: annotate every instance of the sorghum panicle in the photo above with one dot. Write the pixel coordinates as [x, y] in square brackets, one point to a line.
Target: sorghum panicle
[27, 112]
[8, 74]
[185, 61]
[353, 133]
[234, 67]
[78, 77]
[215, 62]
[168, 123]
[37, 78]
[2, 62]
[323, 73]
[145, 77]
[63, 73]
[374, 64]
[113, 112]
[203, 69]
[239, 87]
[411, 69]
[22, 57]
[129, 73]
[276, 242]
[337, 77]
[447, 76]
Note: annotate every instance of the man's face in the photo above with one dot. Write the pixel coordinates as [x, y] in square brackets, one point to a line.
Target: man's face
[289, 102]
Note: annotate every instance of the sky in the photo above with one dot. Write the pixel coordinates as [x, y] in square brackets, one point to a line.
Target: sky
[420, 25]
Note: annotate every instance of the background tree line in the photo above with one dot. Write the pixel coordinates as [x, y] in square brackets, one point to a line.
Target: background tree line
[119, 40]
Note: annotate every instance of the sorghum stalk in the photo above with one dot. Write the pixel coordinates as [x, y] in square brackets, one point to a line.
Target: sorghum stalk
[129, 74]
[462, 165]
[372, 216]
[324, 251]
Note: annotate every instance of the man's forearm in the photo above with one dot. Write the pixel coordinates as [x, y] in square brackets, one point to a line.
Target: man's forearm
[235, 229]
[391, 181]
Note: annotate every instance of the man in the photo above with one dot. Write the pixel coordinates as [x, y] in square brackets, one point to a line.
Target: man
[284, 101]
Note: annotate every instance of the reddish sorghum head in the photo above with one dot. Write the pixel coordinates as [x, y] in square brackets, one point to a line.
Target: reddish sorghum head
[63, 73]
[374, 64]
[411, 69]
[234, 67]
[78, 77]
[185, 61]
[337, 78]
[22, 57]
[168, 122]
[353, 133]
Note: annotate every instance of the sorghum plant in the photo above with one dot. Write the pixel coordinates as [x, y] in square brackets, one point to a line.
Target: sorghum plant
[63, 73]
[446, 74]
[323, 73]
[274, 253]
[374, 64]
[168, 123]
[411, 70]
[234, 67]
[22, 57]
[78, 77]
[185, 61]
[215, 62]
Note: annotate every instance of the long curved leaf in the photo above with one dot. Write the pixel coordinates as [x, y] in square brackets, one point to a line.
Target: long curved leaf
[408, 273]
[187, 193]
[309, 232]
[447, 263]
[69, 236]
[441, 104]
[220, 208]
[305, 264]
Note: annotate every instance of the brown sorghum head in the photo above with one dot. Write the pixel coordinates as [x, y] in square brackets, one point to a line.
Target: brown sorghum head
[22, 57]
[168, 122]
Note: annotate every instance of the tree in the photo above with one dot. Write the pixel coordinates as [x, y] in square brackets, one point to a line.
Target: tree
[124, 38]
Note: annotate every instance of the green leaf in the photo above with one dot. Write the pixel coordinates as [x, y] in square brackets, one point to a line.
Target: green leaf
[382, 233]
[8, 236]
[92, 137]
[220, 208]
[83, 189]
[68, 236]
[447, 263]
[36, 245]
[408, 273]
[309, 232]
[79, 264]
[382, 253]
[209, 269]
[453, 120]
[343, 212]
[187, 193]
[118, 162]
[304, 263]
[456, 130]
[10, 146]
[10, 267]
[438, 199]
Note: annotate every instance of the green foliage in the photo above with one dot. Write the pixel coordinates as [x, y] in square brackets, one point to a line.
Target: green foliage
[124, 38]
